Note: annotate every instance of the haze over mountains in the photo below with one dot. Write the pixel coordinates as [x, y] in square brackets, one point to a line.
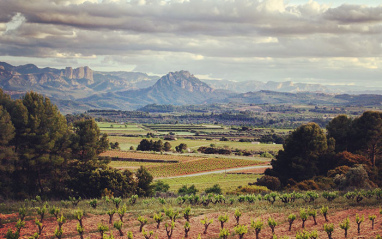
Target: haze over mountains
[80, 89]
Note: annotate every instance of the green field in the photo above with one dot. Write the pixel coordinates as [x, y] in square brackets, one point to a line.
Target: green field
[126, 142]
[227, 182]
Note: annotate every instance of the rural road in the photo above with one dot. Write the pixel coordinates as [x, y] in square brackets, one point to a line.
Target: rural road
[220, 171]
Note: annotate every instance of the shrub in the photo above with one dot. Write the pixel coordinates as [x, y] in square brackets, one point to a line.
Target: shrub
[253, 189]
[223, 219]
[241, 230]
[345, 225]
[147, 235]
[184, 190]
[102, 229]
[171, 214]
[169, 229]
[237, 215]
[303, 216]
[359, 220]
[224, 233]
[93, 203]
[324, 211]
[206, 222]
[214, 189]
[118, 225]
[329, 228]
[313, 214]
[272, 183]
[187, 228]
[142, 221]
[158, 218]
[291, 219]
[257, 225]
[187, 213]
[160, 186]
[272, 224]
[372, 219]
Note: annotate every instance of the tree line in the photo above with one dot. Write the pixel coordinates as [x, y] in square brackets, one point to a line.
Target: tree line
[347, 155]
[41, 154]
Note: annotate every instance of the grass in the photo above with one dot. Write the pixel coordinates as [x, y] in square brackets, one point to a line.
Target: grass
[126, 142]
[227, 182]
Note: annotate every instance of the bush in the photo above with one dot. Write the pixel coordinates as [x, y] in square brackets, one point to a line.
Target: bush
[272, 183]
[214, 189]
[184, 190]
[160, 186]
[249, 190]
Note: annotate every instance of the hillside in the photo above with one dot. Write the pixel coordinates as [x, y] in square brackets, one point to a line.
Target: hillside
[177, 88]
[271, 97]
[286, 86]
[68, 83]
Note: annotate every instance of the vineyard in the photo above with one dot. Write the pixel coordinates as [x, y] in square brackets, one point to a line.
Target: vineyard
[186, 165]
[283, 215]
[149, 156]
[196, 166]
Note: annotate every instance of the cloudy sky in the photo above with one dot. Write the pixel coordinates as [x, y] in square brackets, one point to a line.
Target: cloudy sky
[328, 42]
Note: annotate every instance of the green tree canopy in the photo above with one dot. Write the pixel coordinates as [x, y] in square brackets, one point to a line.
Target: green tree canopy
[299, 158]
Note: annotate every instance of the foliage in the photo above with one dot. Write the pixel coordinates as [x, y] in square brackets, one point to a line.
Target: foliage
[345, 225]
[258, 226]
[206, 222]
[146, 145]
[299, 158]
[181, 147]
[223, 219]
[160, 186]
[241, 230]
[224, 233]
[291, 218]
[144, 179]
[184, 190]
[158, 218]
[214, 189]
[329, 228]
[272, 183]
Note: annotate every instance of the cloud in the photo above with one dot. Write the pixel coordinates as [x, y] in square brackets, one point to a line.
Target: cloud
[222, 38]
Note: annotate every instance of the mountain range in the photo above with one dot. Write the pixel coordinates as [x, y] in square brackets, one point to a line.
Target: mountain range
[80, 89]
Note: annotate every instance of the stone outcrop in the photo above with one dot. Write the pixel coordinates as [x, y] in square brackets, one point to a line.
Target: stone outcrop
[79, 73]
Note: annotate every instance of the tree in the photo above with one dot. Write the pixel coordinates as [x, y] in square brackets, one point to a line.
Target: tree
[181, 147]
[7, 155]
[299, 158]
[366, 135]
[339, 129]
[167, 147]
[144, 180]
[87, 141]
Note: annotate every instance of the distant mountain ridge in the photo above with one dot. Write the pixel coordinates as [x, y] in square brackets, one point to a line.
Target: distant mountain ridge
[67, 83]
[286, 86]
[80, 89]
[175, 88]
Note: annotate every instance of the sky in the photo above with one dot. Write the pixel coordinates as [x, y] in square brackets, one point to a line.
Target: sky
[326, 42]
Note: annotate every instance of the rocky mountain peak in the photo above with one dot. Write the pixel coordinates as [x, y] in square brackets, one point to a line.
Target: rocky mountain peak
[183, 80]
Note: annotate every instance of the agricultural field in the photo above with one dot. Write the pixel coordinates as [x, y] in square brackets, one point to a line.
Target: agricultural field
[186, 165]
[149, 156]
[196, 166]
[126, 142]
[249, 209]
[227, 181]
[118, 128]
